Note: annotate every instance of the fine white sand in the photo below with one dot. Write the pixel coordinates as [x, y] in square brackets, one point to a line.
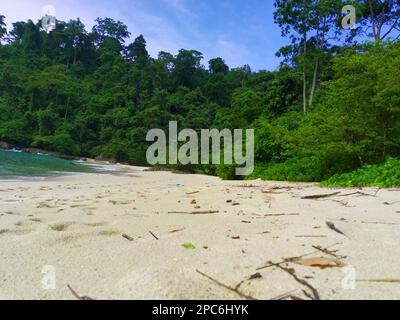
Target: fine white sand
[75, 225]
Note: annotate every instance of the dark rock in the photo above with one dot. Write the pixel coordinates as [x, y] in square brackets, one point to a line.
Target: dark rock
[5, 145]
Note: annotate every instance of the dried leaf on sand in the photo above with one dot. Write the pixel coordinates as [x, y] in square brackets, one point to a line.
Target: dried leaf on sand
[319, 263]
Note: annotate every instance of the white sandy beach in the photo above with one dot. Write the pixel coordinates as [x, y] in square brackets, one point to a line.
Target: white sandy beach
[76, 225]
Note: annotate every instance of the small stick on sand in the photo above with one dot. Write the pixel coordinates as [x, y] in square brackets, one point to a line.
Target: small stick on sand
[359, 193]
[391, 203]
[76, 295]
[282, 214]
[286, 295]
[226, 286]
[328, 252]
[177, 230]
[343, 203]
[269, 265]
[245, 186]
[381, 280]
[301, 281]
[320, 196]
[155, 237]
[194, 192]
[193, 212]
[252, 277]
[127, 237]
[333, 227]
[295, 298]
[272, 192]
[381, 223]
[311, 236]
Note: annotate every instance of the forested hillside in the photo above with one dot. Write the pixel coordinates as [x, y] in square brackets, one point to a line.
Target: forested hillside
[332, 107]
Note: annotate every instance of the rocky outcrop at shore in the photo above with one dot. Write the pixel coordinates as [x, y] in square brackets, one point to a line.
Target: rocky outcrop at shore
[7, 146]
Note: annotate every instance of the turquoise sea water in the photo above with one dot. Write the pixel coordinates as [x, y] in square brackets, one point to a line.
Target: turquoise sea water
[21, 164]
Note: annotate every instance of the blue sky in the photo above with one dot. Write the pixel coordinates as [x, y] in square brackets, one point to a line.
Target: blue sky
[240, 31]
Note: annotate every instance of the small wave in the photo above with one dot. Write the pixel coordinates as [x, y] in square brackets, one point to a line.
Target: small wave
[13, 150]
[21, 178]
[103, 167]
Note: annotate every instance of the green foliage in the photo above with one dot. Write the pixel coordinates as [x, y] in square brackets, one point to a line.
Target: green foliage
[13, 132]
[384, 175]
[226, 172]
[302, 170]
[137, 50]
[189, 246]
[218, 65]
[60, 142]
[356, 120]
[88, 93]
[3, 29]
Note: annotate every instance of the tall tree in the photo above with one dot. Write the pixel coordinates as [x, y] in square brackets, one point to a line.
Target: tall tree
[109, 28]
[293, 18]
[17, 32]
[32, 40]
[381, 17]
[308, 22]
[3, 29]
[77, 38]
[187, 69]
[218, 65]
[109, 36]
[137, 50]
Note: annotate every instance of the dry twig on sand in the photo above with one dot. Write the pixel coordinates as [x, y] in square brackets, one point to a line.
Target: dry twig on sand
[286, 295]
[194, 212]
[269, 264]
[315, 294]
[391, 203]
[311, 236]
[359, 193]
[333, 228]
[154, 236]
[382, 223]
[343, 203]
[245, 186]
[177, 230]
[77, 296]
[381, 280]
[127, 237]
[242, 295]
[282, 214]
[328, 252]
[320, 196]
[252, 277]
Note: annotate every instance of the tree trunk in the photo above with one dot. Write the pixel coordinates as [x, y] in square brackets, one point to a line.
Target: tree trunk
[305, 76]
[372, 17]
[66, 109]
[314, 84]
[382, 20]
[74, 56]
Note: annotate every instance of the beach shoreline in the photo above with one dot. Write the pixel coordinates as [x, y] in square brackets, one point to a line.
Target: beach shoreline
[154, 235]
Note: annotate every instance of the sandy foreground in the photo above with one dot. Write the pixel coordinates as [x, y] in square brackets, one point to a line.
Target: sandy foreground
[76, 225]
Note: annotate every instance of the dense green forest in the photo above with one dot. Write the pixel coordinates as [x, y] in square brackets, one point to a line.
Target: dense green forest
[331, 108]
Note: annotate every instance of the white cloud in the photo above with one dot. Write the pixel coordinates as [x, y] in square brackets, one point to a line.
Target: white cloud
[160, 33]
[179, 6]
[169, 30]
[233, 53]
